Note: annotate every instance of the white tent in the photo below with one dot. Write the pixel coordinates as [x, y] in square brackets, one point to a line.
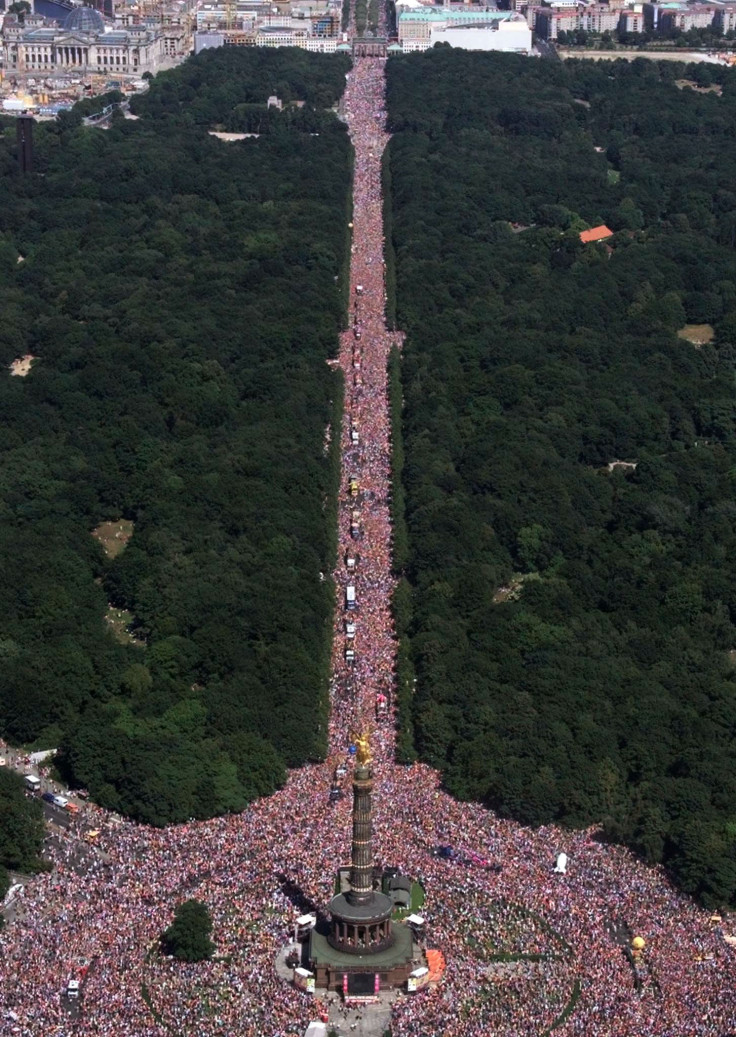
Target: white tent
[44, 755]
[561, 864]
[316, 1030]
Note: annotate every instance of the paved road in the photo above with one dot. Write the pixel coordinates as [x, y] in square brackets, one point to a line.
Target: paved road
[547, 50]
[58, 823]
[370, 1022]
[629, 55]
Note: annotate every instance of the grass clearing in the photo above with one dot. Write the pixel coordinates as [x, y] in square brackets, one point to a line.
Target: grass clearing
[114, 536]
[697, 334]
[418, 897]
[512, 590]
[714, 88]
[21, 366]
[121, 622]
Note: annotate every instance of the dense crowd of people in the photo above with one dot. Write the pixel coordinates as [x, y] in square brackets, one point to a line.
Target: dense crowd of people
[99, 916]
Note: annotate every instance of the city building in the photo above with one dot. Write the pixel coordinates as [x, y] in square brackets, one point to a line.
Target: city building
[549, 23]
[293, 32]
[725, 18]
[417, 24]
[693, 16]
[511, 35]
[599, 18]
[652, 12]
[675, 14]
[176, 41]
[632, 19]
[214, 17]
[313, 25]
[209, 40]
[267, 36]
[531, 13]
[594, 18]
[84, 43]
[550, 19]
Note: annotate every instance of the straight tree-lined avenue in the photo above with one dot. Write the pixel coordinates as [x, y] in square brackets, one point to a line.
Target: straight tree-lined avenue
[364, 350]
[525, 947]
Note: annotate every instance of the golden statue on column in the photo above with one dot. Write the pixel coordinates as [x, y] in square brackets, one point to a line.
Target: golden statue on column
[363, 746]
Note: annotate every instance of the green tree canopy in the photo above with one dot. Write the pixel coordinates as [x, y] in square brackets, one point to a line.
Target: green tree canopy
[188, 936]
[180, 296]
[21, 825]
[570, 619]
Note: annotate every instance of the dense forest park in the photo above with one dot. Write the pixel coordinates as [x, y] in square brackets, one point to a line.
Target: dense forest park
[568, 457]
[167, 477]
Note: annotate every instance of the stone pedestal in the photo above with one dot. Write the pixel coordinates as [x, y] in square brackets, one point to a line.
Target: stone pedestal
[361, 928]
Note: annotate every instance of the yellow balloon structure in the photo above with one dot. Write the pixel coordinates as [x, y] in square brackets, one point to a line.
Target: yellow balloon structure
[638, 943]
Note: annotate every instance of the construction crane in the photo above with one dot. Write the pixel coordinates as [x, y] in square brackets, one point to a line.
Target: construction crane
[230, 14]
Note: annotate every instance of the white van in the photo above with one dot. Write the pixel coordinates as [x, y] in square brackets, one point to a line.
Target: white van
[350, 596]
[32, 782]
[72, 989]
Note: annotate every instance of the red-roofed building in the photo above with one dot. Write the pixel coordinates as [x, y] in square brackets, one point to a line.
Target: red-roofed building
[596, 234]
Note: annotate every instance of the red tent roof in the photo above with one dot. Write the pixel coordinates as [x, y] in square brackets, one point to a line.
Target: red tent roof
[596, 234]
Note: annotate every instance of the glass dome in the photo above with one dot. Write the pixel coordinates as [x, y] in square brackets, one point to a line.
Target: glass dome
[84, 19]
